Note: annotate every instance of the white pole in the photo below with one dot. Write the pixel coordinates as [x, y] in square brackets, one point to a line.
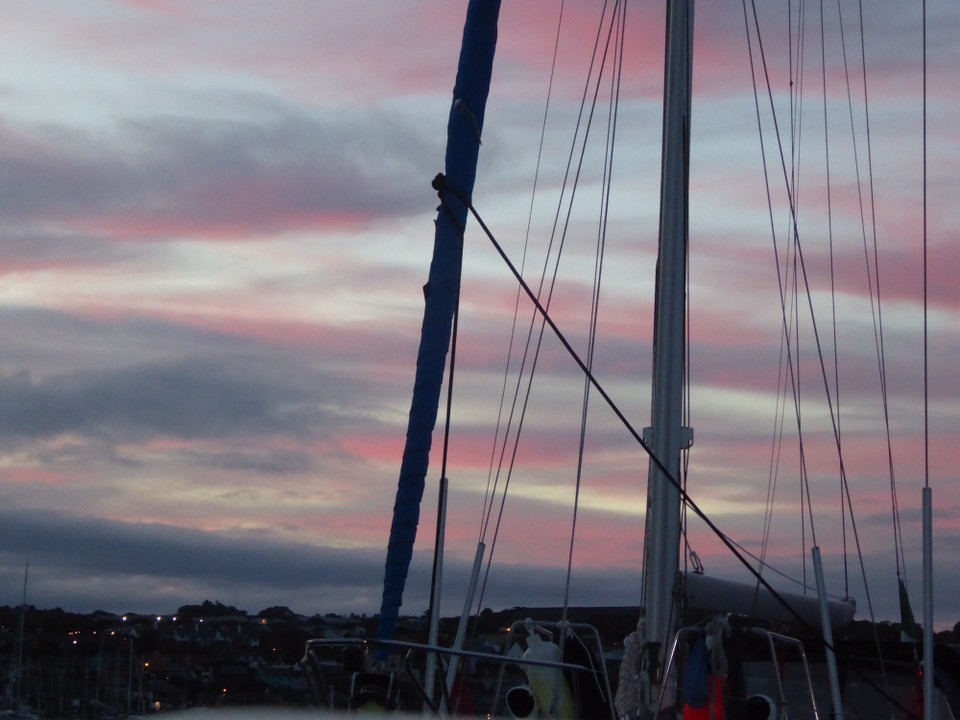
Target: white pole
[827, 636]
[431, 670]
[662, 528]
[465, 614]
[927, 603]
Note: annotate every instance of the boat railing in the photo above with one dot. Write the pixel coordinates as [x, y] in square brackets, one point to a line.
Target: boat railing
[773, 638]
[337, 686]
[758, 686]
[592, 662]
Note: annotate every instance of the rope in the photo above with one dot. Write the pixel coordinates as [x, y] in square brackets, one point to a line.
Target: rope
[618, 413]
[628, 426]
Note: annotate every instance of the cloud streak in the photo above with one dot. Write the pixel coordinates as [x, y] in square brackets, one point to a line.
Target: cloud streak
[215, 224]
[174, 176]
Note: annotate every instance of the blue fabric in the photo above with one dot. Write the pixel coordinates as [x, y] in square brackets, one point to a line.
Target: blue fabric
[696, 676]
[440, 295]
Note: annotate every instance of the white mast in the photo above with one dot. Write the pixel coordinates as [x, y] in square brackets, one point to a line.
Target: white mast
[667, 437]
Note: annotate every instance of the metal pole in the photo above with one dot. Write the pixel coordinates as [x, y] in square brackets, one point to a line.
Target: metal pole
[431, 671]
[465, 614]
[928, 603]
[827, 636]
[662, 532]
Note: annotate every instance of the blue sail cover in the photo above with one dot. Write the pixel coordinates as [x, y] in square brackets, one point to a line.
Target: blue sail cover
[440, 295]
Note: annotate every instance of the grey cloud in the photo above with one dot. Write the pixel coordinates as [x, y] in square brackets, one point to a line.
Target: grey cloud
[277, 168]
[97, 545]
[91, 344]
[56, 181]
[185, 399]
[25, 250]
[84, 562]
[136, 378]
[260, 463]
[71, 555]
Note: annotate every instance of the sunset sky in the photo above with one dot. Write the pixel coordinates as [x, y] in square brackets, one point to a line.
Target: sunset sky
[216, 223]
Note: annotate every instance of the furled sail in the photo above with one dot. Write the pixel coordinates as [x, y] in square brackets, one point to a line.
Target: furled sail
[440, 294]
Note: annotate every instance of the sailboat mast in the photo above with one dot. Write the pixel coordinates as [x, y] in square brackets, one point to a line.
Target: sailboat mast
[440, 295]
[667, 437]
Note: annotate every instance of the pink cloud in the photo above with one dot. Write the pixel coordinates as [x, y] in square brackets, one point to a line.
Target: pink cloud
[164, 7]
[37, 476]
[257, 216]
[243, 181]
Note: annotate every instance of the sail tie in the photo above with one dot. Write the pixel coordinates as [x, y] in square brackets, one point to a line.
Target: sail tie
[439, 183]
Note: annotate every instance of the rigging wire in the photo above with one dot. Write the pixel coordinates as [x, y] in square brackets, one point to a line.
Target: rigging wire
[686, 421]
[526, 353]
[927, 494]
[543, 311]
[926, 289]
[439, 537]
[877, 312]
[620, 21]
[801, 264]
[845, 489]
[780, 410]
[830, 245]
[793, 208]
[533, 323]
[585, 119]
[798, 267]
[872, 268]
[787, 281]
[874, 305]
[637, 436]
[516, 310]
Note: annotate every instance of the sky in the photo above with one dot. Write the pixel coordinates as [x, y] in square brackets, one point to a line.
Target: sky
[215, 225]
